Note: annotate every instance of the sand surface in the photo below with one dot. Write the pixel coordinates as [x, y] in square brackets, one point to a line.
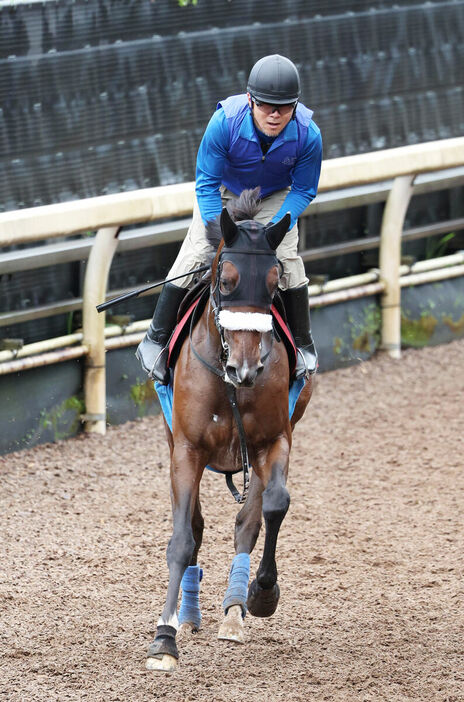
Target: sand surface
[370, 556]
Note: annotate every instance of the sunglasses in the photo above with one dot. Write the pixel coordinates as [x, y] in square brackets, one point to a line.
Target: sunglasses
[269, 109]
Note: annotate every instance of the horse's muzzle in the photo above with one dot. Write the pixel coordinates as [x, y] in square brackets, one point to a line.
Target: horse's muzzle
[244, 375]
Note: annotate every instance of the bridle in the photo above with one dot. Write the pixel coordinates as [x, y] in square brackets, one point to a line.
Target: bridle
[245, 296]
[215, 299]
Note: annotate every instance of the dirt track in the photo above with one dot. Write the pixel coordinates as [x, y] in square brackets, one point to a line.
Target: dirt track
[370, 556]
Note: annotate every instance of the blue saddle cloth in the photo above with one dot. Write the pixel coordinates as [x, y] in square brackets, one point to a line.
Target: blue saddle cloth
[164, 393]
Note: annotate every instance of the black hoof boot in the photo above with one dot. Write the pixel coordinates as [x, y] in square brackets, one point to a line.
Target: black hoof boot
[260, 602]
[164, 643]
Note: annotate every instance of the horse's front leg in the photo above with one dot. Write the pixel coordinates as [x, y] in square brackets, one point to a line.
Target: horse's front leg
[263, 593]
[189, 610]
[186, 471]
[247, 527]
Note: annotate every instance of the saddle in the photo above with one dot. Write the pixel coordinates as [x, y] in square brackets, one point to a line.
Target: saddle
[195, 301]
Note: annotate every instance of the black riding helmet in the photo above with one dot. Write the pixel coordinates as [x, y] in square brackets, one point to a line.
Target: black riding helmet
[274, 79]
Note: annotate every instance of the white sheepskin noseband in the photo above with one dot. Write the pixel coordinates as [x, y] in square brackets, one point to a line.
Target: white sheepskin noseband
[245, 321]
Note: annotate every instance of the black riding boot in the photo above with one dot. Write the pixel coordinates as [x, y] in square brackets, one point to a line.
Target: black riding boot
[152, 351]
[297, 309]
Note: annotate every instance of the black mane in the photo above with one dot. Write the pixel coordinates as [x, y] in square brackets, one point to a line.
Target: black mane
[246, 206]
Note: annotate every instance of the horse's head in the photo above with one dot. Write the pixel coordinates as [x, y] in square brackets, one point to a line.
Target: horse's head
[245, 277]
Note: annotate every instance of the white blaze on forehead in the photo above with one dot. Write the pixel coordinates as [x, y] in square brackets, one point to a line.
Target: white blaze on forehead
[245, 321]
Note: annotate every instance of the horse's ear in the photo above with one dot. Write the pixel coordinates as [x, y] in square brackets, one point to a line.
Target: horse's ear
[276, 232]
[228, 227]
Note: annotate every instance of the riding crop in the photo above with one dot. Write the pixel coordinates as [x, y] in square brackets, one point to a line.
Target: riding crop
[135, 293]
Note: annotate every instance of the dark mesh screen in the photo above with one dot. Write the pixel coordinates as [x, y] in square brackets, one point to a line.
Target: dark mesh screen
[101, 96]
[104, 96]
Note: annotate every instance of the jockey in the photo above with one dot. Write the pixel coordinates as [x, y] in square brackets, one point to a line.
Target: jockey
[264, 138]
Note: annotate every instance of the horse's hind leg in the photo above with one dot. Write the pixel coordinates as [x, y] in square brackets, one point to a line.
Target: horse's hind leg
[185, 477]
[263, 594]
[247, 527]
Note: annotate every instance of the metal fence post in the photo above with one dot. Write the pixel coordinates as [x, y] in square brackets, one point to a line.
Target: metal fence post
[95, 284]
[389, 263]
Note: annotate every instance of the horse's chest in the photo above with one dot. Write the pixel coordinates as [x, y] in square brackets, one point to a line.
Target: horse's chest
[222, 438]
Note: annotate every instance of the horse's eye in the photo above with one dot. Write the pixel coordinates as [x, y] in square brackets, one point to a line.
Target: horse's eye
[226, 286]
[229, 278]
[272, 279]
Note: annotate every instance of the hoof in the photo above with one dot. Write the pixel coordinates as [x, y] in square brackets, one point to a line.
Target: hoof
[187, 628]
[165, 663]
[162, 653]
[261, 602]
[232, 627]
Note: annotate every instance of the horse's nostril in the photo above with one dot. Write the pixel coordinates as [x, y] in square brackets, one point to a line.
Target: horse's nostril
[232, 373]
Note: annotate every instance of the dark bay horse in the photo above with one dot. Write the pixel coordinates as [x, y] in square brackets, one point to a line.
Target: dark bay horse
[233, 355]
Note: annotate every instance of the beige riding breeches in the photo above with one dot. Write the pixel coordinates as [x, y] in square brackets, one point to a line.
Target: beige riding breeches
[196, 251]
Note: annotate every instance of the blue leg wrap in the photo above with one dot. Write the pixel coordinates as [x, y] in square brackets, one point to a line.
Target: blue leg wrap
[190, 603]
[236, 593]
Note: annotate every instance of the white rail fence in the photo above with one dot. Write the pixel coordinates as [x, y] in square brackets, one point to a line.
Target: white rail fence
[108, 213]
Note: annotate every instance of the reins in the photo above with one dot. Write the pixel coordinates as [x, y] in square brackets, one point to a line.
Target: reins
[240, 498]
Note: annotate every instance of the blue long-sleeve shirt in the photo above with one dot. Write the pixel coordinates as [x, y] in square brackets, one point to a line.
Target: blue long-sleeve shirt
[230, 153]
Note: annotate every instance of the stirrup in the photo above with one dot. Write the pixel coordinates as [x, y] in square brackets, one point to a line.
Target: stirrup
[158, 370]
[306, 363]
